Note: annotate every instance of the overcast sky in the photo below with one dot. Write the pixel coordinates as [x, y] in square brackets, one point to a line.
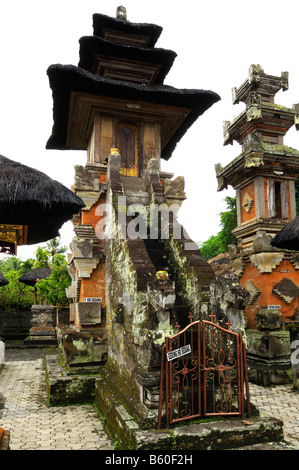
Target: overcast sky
[215, 42]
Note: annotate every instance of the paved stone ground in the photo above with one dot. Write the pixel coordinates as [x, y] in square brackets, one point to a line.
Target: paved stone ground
[32, 424]
[281, 402]
[35, 426]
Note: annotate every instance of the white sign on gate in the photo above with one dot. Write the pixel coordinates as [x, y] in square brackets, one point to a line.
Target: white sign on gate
[179, 352]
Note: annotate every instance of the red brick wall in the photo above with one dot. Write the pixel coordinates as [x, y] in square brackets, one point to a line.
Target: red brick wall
[95, 285]
[265, 283]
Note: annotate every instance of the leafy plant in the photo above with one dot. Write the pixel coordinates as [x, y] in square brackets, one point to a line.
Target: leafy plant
[217, 244]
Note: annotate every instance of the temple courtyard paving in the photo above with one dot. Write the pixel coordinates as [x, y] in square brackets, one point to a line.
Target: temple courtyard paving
[35, 426]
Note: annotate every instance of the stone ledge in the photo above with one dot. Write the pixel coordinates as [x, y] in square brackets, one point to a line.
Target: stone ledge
[40, 341]
[224, 434]
[64, 389]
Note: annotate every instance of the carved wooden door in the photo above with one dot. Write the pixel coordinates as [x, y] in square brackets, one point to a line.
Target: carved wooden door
[127, 142]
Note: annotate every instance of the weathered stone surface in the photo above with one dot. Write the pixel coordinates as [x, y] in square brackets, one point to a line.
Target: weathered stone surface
[42, 332]
[82, 248]
[42, 315]
[85, 179]
[254, 292]
[286, 290]
[88, 313]
[266, 262]
[174, 190]
[81, 347]
[228, 301]
[216, 435]
[238, 265]
[270, 345]
[262, 243]
[268, 319]
[64, 389]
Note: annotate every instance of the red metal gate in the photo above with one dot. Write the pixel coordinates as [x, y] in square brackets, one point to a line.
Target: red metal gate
[203, 373]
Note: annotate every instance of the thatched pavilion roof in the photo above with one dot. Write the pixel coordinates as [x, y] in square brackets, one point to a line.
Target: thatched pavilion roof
[64, 79]
[288, 237]
[32, 276]
[102, 23]
[30, 197]
[3, 280]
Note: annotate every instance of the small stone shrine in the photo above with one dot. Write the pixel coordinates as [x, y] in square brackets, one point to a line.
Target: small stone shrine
[135, 272]
[263, 176]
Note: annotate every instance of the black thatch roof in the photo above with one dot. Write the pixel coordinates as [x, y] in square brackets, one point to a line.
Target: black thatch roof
[66, 78]
[103, 22]
[30, 197]
[32, 276]
[288, 237]
[91, 45]
[3, 280]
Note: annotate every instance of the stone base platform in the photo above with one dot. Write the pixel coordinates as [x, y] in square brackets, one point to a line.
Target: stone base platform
[254, 433]
[67, 389]
[40, 341]
[263, 433]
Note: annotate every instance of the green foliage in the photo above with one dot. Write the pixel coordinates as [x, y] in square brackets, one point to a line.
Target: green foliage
[52, 289]
[17, 296]
[42, 258]
[217, 244]
[211, 247]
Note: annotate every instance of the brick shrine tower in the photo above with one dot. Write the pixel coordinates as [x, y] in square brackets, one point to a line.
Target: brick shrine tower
[264, 176]
[115, 106]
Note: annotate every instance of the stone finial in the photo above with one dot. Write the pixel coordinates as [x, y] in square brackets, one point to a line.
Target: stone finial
[254, 73]
[121, 13]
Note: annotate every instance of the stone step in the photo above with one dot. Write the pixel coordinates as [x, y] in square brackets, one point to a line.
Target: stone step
[85, 266]
[115, 404]
[86, 231]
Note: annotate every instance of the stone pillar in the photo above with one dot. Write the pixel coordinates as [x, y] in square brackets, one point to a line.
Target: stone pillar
[42, 332]
[268, 354]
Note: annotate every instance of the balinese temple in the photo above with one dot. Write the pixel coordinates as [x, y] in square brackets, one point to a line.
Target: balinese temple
[128, 292]
[33, 207]
[264, 176]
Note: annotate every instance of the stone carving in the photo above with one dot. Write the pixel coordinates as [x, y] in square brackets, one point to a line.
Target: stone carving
[268, 319]
[238, 265]
[262, 242]
[174, 190]
[85, 180]
[286, 290]
[253, 99]
[247, 202]
[295, 260]
[228, 301]
[253, 291]
[161, 297]
[121, 13]
[266, 262]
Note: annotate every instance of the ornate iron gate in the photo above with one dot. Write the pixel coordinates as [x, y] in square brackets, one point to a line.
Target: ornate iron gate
[203, 373]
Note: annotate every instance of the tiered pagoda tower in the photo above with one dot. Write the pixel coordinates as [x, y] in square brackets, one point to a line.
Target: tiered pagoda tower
[263, 176]
[115, 106]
